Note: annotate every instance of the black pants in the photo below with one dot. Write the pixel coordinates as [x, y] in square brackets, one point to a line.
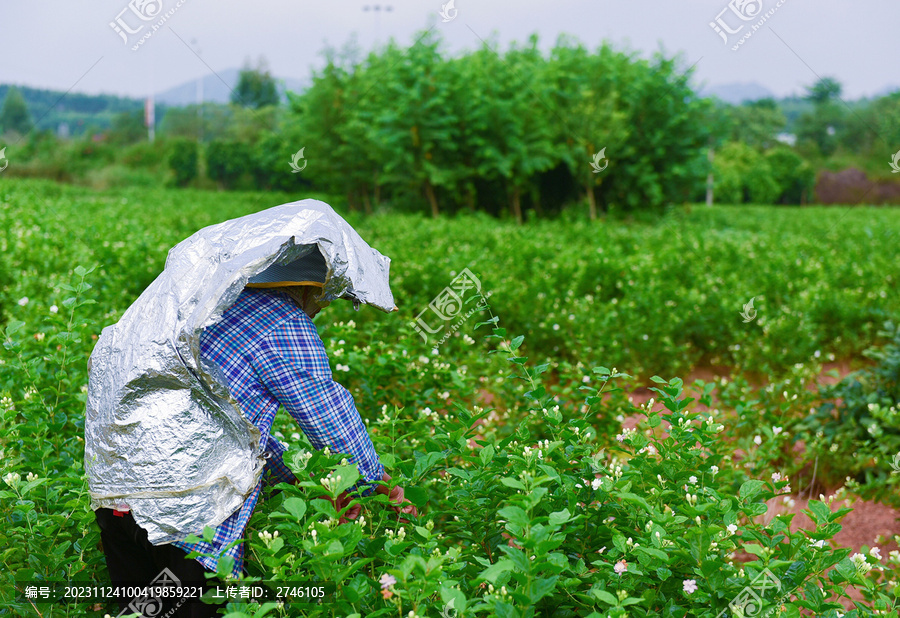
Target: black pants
[133, 561]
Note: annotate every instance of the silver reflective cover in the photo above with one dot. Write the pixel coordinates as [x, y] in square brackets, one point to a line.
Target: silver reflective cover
[162, 433]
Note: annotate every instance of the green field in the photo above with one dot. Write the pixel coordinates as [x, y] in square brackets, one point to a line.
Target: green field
[591, 300]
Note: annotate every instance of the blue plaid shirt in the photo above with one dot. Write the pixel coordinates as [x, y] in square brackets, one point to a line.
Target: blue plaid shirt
[271, 355]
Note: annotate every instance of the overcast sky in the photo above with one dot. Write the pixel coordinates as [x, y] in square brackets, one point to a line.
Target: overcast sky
[71, 45]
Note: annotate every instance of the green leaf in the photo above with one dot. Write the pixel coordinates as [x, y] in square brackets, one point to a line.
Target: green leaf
[349, 476]
[514, 345]
[560, 517]
[820, 511]
[13, 327]
[659, 380]
[423, 532]
[509, 482]
[491, 573]
[514, 515]
[493, 320]
[603, 595]
[296, 507]
[634, 499]
[756, 508]
[416, 495]
[846, 568]
[755, 549]
[652, 551]
[750, 488]
[453, 599]
[425, 462]
[541, 587]
[486, 454]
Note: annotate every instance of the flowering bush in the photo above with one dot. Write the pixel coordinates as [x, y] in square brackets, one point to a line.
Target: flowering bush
[555, 519]
[855, 431]
[533, 497]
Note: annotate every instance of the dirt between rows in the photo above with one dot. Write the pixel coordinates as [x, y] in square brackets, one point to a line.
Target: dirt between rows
[861, 527]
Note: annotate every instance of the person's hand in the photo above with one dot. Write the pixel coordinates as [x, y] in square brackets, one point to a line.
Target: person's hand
[342, 502]
[399, 503]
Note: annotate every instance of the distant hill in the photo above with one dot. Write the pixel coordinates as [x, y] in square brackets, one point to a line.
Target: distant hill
[217, 89]
[737, 93]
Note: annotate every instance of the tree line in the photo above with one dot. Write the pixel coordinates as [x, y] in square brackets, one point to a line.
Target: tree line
[516, 131]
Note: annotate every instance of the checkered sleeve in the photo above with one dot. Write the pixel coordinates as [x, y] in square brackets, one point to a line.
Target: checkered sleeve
[292, 364]
[276, 472]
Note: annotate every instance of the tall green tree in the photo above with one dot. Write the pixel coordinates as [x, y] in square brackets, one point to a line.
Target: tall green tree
[817, 131]
[588, 113]
[418, 126]
[331, 131]
[256, 87]
[14, 115]
[527, 147]
[825, 90]
[757, 123]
